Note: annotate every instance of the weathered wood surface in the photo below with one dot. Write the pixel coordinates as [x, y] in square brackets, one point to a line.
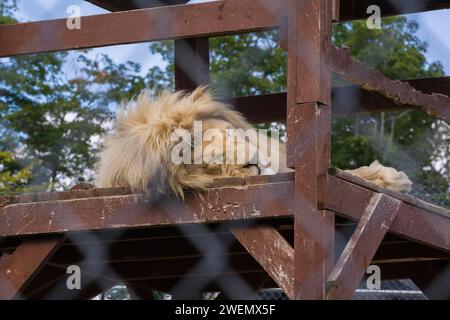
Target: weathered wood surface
[119, 5]
[272, 252]
[436, 105]
[413, 222]
[309, 138]
[395, 194]
[349, 9]
[421, 222]
[130, 211]
[345, 100]
[196, 20]
[362, 246]
[18, 269]
[353, 10]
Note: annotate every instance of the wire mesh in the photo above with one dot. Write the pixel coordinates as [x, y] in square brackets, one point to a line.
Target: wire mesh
[389, 290]
[236, 285]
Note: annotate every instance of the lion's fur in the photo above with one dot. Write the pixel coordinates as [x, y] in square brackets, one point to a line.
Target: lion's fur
[137, 153]
[386, 177]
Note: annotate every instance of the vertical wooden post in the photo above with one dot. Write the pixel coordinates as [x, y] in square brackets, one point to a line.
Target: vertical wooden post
[191, 71]
[191, 63]
[309, 131]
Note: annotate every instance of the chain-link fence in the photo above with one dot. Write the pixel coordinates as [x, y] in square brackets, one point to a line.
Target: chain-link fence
[406, 140]
[389, 290]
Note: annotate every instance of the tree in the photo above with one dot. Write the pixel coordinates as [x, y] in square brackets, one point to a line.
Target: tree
[405, 139]
[13, 175]
[53, 115]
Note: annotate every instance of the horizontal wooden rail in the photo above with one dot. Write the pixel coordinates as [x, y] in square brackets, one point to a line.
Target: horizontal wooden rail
[196, 20]
[119, 5]
[353, 10]
[349, 9]
[435, 104]
[345, 100]
[130, 211]
[416, 219]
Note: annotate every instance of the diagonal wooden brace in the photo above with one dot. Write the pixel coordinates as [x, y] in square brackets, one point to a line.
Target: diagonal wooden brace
[19, 268]
[362, 246]
[272, 252]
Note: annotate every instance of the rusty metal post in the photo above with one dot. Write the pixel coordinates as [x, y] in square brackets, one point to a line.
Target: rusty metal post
[309, 131]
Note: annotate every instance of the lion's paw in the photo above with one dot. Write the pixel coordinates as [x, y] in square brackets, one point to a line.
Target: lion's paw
[386, 177]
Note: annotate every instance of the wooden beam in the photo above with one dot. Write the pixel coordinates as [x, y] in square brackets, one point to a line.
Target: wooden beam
[26, 261]
[345, 100]
[174, 268]
[357, 9]
[362, 246]
[349, 9]
[436, 105]
[50, 284]
[414, 221]
[335, 10]
[272, 251]
[191, 63]
[434, 280]
[309, 132]
[132, 211]
[186, 21]
[119, 5]
[416, 270]
[395, 194]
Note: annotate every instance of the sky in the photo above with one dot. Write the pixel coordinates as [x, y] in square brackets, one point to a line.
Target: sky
[434, 27]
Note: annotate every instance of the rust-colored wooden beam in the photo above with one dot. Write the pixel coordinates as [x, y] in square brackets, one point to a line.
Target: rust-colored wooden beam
[50, 284]
[173, 268]
[335, 10]
[186, 21]
[362, 246]
[357, 9]
[400, 92]
[272, 252]
[309, 138]
[345, 100]
[349, 9]
[132, 211]
[416, 220]
[191, 63]
[120, 5]
[26, 261]
[348, 198]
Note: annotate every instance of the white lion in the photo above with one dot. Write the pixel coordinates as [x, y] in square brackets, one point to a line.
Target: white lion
[139, 152]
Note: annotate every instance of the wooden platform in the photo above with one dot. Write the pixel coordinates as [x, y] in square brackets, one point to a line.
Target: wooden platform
[163, 254]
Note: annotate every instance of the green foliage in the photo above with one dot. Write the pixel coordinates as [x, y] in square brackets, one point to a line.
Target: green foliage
[402, 139]
[54, 112]
[244, 64]
[394, 49]
[247, 64]
[13, 176]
